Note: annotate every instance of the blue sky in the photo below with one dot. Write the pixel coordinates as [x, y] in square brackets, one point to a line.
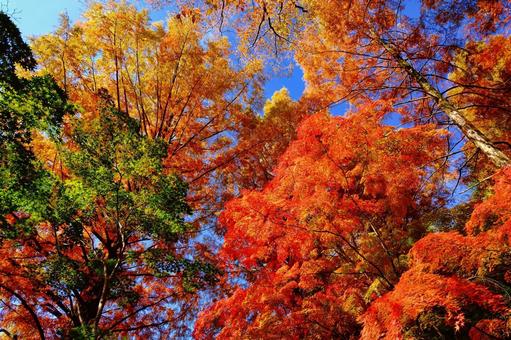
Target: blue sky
[35, 17]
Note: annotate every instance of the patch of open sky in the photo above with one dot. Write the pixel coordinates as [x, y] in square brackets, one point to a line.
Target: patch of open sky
[412, 8]
[340, 109]
[35, 17]
[292, 80]
[392, 119]
[157, 14]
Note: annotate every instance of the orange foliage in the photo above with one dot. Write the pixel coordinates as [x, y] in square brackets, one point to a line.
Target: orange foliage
[382, 49]
[313, 250]
[459, 279]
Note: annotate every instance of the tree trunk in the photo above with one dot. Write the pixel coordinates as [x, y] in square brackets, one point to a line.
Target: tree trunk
[499, 158]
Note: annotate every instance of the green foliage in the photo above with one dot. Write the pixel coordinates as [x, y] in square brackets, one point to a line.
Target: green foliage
[13, 50]
[81, 333]
[63, 273]
[196, 274]
[112, 163]
[25, 105]
[430, 325]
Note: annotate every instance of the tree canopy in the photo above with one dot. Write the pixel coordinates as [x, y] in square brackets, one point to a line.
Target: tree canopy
[148, 189]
